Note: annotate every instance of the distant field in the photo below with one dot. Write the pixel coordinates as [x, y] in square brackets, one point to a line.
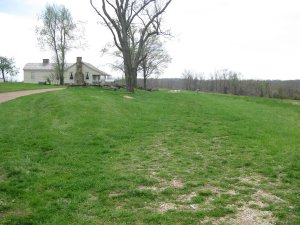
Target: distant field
[93, 156]
[8, 87]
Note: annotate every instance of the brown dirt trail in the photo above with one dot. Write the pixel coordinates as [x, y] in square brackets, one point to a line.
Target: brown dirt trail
[7, 96]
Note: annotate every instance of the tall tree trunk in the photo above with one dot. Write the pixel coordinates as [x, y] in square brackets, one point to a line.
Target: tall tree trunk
[3, 77]
[145, 83]
[61, 76]
[129, 74]
[145, 77]
[132, 81]
[130, 71]
[61, 80]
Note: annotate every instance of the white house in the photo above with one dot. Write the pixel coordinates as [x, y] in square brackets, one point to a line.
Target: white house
[75, 73]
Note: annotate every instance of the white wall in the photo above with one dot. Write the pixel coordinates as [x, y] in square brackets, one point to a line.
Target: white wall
[36, 76]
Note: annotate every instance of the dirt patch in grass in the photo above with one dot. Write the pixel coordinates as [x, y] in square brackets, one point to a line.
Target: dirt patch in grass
[176, 183]
[187, 197]
[231, 192]
[252, 216]
[251, 211]
[175, 91]
[115, 194]
[15, 213]
[257, 203]
[128, 97]
[245, 216]
[248, 216]
[183, 202]
[265, 196]
[250, 180]
[92, 197]
[163, 184]
[151, 188]
[249, 207]
[246, 198]
[164, 207]
[294, 102]
[2, 178]
[209, 188]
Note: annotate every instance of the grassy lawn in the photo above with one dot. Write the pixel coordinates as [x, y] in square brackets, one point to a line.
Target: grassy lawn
[93, 156]
[8, 87]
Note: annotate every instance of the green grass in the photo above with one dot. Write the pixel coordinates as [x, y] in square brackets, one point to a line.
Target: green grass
[91, 156]
[8, 87]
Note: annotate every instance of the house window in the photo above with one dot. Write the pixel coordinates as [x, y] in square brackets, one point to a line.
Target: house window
[87, 76]
[71, 76]
[33, 76]
[96, 78]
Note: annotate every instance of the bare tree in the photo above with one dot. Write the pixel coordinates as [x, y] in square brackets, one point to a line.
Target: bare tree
[58, 34]
[121, 16]
[188, 78]
[200, 77]
[7, 68]
[155, 59]
[193, 80]
[234, 78]
[110, 50]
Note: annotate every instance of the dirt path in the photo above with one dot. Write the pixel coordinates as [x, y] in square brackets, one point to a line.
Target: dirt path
[7, 96]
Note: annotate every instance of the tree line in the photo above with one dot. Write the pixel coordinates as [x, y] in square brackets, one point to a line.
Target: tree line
[228, 82]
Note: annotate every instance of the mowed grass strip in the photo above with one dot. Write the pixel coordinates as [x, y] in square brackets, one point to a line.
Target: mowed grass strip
[93, 156]
[19, 86]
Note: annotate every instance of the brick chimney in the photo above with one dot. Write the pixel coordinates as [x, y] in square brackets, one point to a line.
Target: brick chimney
[79, 59]
[45, 61]
[79, 78]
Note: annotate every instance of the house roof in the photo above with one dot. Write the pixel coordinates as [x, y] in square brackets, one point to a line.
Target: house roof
[39, 66]
[96, 69]
[50, 67]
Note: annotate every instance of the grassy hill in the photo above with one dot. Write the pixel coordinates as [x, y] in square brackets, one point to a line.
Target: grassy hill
[14, 86]
[93, 156]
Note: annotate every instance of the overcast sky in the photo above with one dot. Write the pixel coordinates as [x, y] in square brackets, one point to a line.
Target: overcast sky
[259, 38]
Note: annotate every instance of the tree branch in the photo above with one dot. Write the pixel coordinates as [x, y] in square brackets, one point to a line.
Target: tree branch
[107, 23]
